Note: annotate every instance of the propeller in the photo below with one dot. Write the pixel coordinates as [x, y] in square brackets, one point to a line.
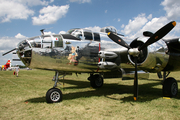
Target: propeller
[147, 33]
[9, 51]
[136, 51]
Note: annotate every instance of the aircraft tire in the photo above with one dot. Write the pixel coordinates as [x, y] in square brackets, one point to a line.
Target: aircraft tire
[170, 87]
[96, 81]
[54, 95]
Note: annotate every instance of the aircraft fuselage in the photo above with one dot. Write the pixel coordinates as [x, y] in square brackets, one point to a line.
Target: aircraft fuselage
[84, 51]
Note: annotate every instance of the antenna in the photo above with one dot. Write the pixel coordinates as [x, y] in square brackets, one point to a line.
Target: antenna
[42, 31]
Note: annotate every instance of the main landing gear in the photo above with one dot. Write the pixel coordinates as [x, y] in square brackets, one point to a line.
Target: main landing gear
[96, 80]
[54, 95]
[170, 86]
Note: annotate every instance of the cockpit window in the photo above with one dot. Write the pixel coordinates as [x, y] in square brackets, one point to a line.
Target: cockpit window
[77, 34]
[44, 41]
[88, 36]
[84, 34]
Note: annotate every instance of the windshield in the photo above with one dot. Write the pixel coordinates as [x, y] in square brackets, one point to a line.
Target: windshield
[77, 34]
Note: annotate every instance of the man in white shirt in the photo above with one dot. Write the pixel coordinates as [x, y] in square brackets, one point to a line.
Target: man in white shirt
[17, 70]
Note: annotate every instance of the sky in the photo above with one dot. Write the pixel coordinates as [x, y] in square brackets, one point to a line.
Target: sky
[20, 19]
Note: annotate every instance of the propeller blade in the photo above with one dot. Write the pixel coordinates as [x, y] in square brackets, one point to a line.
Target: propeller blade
[147, 34]
[118, 40]
[135, 80]
[8, 51]
[159, 34]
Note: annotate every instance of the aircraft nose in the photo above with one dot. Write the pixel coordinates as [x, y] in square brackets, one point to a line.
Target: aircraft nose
[24, 52]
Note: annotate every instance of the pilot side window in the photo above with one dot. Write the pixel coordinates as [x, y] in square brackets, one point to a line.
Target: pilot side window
[88, 36]
[58, 42]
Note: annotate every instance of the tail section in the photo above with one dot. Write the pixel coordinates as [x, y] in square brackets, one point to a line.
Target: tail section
[8, 64]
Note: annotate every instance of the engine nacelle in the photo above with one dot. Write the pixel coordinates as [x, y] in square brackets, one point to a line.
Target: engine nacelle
[151, 59]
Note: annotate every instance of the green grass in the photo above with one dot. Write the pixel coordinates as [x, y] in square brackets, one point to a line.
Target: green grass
[23, 97]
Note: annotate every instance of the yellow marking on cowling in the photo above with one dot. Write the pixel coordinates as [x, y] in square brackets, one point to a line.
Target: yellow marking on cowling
[109, 33]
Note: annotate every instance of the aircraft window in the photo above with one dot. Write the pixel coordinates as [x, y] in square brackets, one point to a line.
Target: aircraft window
[77, 34]
[35, 42]
[96, 37]
[47, 41]
[58, 42]
[88, 36]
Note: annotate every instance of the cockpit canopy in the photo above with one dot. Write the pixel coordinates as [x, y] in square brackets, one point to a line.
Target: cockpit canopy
[83, 34]
[109, 29]
[43, 41]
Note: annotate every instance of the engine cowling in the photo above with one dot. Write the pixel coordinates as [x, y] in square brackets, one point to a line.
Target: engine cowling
[151, 59]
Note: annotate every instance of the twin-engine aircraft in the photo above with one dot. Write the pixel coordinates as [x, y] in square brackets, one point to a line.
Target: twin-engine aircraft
[103, 54]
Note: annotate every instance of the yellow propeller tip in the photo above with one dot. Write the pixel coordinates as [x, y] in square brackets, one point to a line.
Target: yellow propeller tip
[174, 23]
[135, 98]
[109, 33]
[166, 98]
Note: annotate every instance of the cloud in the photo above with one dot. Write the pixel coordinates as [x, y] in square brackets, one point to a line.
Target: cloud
[172, 8]
[7, 44]
[19, 9]
[135, 24]
[152, 25]
[62, 32]
[13, 10]
[94, 29]
[48, 33]
[34, 2]
[20, 36]
[50, 14]
[80, 1]
[105, 11]
[135, 29]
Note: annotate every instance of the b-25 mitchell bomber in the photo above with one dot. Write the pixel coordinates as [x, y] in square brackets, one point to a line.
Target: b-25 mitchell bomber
[102, 54]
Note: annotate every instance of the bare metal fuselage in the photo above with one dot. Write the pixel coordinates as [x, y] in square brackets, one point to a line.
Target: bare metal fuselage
[73, 56]
[67, 53]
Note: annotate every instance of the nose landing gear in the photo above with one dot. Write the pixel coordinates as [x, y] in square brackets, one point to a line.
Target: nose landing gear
[54, 95]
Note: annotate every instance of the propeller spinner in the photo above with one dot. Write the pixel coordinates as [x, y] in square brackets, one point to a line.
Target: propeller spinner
[136, 51]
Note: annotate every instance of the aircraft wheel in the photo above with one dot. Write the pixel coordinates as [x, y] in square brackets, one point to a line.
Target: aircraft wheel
[170, 87]
[96, 81]
[54, 95]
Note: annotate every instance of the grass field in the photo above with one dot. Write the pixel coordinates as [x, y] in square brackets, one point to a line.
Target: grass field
[23, 97]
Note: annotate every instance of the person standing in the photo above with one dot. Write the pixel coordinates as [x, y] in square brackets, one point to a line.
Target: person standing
[17, 70]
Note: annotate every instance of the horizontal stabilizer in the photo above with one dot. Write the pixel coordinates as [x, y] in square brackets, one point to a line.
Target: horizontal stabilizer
[16, 60]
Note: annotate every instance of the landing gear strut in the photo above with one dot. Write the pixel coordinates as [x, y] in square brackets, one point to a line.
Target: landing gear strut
[170, 86]
[54, 95]
[96, 80]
